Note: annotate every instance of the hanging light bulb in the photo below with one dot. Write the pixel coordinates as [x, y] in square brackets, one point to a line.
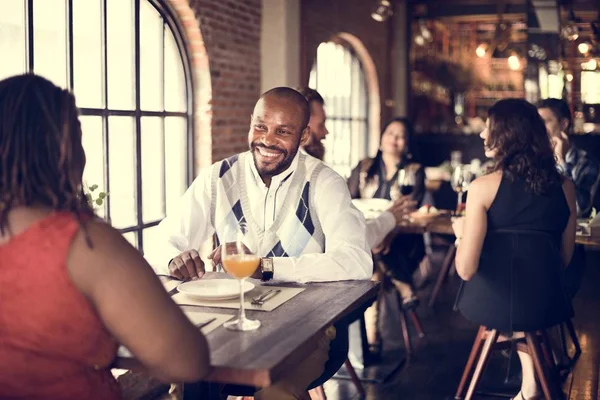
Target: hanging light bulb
[584, 47]
[383, 10]
[481, 50]
[513, 61]
[569, 77]
[425, 32]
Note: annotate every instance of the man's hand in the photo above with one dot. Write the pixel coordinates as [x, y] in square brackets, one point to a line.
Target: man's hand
[187, 265]
[402, 207]
[561, 146]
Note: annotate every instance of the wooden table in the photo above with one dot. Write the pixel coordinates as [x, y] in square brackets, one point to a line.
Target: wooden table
[286, 334]
[589, 242]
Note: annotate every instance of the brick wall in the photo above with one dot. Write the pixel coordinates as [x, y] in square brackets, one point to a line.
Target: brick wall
[323, 19]
[228, 49]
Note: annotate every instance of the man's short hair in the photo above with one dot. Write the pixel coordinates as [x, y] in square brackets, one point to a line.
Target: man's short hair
[311, 95]
[559, 108]
[295, 97]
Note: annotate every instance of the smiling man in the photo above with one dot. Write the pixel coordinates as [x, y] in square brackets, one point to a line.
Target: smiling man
[298, 214]
[298, 211]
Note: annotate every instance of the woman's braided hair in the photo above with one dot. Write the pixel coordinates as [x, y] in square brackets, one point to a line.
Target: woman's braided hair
[41, 153]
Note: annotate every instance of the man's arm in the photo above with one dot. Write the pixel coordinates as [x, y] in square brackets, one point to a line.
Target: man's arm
[347, 253]
[187, 227]
[584, 174]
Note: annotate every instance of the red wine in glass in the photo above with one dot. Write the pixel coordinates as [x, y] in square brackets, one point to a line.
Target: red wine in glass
[405, 190]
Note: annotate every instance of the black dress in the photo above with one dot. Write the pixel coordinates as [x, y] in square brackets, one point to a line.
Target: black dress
[406, 251]
[518, 284]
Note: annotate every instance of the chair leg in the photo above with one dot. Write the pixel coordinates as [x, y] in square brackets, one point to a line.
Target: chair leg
[563, 340]
[479, 339]
[547, 349]
[492, 336]
[416, 322]
[448, 260]
[549, 385]
[405, 334]
[354, 378]
[574, 339]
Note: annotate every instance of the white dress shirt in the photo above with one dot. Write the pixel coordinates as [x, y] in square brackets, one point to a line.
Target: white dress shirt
[347, 252]
[378, 228]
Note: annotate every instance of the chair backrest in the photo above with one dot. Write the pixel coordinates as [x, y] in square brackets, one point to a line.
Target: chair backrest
[518, 285]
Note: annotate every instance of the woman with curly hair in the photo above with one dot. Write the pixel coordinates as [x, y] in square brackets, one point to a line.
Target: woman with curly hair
[72, 286]
[524, 192]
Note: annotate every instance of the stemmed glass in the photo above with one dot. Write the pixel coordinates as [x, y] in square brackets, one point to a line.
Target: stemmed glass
[406, 181]
[240, 263]
[461, 180]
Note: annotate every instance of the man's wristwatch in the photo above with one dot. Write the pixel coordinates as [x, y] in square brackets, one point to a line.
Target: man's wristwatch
[266, 266]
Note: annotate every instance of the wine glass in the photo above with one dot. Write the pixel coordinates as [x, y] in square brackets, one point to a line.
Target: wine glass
[458, 184]
[406, 181]
[240, 263]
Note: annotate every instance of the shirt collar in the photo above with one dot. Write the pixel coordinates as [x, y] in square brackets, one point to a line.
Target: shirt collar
[277, 179]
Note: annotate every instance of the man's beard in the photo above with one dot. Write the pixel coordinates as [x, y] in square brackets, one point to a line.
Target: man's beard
[315, 148]
[271, 169]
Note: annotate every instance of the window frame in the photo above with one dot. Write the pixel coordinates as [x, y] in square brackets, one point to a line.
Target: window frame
[357, 74]
[170, 21]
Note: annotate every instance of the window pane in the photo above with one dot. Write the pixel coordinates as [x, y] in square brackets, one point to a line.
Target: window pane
[151, 80]
[122, 196]
[87, 53]
[50, 35]
[152, 169]
[12, 38]
[121, 62]
[152, 239]
[93, 174]
[175, 160]
[175, 99]
[131, 238]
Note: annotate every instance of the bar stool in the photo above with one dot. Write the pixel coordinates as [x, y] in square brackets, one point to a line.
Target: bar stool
[517, 288]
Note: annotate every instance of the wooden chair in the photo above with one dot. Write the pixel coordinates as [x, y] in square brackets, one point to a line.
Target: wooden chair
[536, 344]
[442, 274]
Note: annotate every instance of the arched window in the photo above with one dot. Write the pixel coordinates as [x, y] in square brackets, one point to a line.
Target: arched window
[125, 60]
[338, 76]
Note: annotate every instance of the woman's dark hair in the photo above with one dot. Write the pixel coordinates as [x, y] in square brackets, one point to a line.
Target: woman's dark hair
[410, 150]
[559, 108]
[518, 135]
[41, 155]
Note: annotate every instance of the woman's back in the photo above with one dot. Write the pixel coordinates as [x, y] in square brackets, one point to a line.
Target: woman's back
[56, 343]
[516, 208]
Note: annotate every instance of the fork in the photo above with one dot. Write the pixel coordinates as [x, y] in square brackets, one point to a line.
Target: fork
[260, 300]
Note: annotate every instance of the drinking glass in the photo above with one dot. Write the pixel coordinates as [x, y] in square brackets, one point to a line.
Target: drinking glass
[458, 184]
[239, 262]
[406, 181]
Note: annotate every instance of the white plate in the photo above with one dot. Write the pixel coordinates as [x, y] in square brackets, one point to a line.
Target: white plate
[214, 289]
[371, 208]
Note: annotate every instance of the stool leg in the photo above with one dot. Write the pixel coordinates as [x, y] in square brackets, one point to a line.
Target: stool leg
[448, 260]
[469, 367]
[354, 377]
[416, 322]
[405, 334]
[574, 339]
[492, 336]
[546, 382]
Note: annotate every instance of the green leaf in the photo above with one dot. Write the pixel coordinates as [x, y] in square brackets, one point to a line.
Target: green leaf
[99, 202]
[93, 187]
[101, 195]
[89, 197]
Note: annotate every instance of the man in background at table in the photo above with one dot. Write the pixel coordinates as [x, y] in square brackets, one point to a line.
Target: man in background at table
[574, 163]
[298, 211]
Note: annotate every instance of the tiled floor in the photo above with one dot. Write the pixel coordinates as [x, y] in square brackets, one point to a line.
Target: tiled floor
[435, 371]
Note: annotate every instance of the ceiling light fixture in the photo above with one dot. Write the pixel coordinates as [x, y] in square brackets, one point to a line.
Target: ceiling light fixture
[382, 11]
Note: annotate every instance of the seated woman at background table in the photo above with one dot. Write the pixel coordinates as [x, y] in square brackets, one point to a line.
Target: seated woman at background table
[72, 286]
[378, 178]
[524, 192]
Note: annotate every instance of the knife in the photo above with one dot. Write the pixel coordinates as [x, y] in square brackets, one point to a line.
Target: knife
[204, 323]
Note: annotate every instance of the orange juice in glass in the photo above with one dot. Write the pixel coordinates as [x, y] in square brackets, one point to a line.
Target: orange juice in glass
[240, 263]
[241, 266]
